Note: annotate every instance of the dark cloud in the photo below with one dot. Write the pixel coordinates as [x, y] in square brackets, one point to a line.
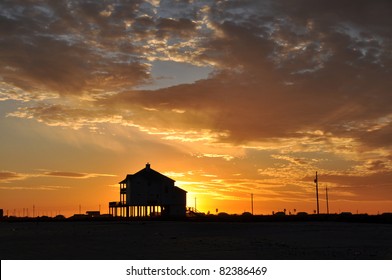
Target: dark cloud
[370, 15]
[70, 47]
[377, 165]
[180, 27]
[281, 69]
[381, 137]
[6, 176]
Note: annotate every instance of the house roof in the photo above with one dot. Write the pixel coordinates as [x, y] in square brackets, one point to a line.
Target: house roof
[179, 189]
[149, 174]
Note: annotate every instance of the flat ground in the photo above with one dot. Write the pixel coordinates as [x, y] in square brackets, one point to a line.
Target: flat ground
[194, 240]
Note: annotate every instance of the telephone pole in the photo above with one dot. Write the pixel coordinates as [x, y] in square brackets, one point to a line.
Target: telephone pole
[251, 201]
[317, 196]
[326, 196]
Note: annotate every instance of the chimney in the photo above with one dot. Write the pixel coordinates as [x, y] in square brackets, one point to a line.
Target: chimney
[148, 165]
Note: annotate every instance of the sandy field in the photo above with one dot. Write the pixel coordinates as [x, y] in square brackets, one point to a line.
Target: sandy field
[108, 240]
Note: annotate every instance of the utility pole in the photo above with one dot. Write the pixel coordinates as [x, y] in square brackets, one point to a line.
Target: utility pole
[251, 201]
[326, 196]
[317, 196]
[195, 203]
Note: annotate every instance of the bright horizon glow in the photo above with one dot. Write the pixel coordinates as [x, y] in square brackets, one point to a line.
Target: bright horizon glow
[228, 98]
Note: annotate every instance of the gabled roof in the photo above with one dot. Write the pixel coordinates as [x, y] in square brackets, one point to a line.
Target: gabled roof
[147, 173]
[179, 189]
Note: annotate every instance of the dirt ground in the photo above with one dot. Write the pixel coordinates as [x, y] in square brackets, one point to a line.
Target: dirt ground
[194, 240]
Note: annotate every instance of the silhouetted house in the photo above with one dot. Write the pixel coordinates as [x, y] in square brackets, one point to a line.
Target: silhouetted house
[149, 193]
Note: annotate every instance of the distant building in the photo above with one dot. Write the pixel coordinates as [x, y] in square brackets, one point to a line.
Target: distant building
[302, 214]
[346, 214]
[280, 214]
[93, 214]
[1, 213]
[149, 193]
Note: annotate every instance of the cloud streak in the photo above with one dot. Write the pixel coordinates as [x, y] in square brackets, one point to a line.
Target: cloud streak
[7, 176]
[75, 175]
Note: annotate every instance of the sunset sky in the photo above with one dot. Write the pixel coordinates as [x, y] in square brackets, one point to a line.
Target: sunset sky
[228, 98]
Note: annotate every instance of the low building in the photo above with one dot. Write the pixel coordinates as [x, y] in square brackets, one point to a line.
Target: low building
[149, 193]
[93, 214]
